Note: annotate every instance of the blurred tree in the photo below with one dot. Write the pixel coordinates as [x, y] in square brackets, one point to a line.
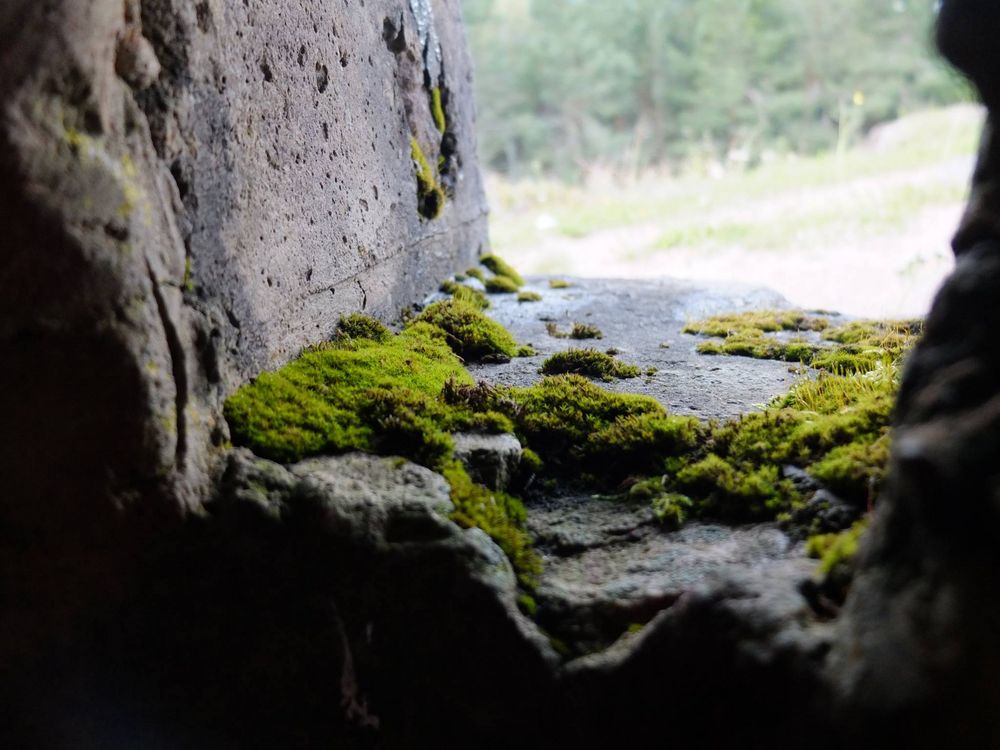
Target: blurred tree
[565, 84]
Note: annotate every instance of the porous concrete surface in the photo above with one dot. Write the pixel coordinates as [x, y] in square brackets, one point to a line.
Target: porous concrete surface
[643, 320]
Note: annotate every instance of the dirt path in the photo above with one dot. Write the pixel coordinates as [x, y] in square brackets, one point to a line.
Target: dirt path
[875, 273]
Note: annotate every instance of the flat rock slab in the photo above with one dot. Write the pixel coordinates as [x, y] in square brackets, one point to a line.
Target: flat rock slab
[610, 566]
[643, 320]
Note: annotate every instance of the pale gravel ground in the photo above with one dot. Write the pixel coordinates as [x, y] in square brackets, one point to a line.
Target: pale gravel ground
[884, 274]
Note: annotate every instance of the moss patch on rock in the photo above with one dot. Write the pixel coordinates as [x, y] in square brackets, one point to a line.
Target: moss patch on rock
[589, 362]
[579, 332]
[501, 285]
[529, 297]
[858, 346]
[500, 267]
[469, 333]
[430, 195]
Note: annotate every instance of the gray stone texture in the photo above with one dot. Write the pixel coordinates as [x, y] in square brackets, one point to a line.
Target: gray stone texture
[191, 193]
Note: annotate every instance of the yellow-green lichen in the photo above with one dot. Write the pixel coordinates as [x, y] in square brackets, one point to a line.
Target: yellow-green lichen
[437, 110]
[430, 195]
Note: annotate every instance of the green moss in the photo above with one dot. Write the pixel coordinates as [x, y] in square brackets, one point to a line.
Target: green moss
[437, 110]
[836, 551]
[559, 284]
[527, 604]
[529, 297]
[501, 285]
[527, 351]
[468, 332]
[855, 471]
[500, 515]
[856, 347]
[501, 268]
[188, 275]
[736, 491]
[358, 326]
[337, 397]
[589, 362]
[531, 462]
[759, 320]
[759, 346]
[575, 424]
[466, 294]
[475, 273]
[672, 509]
[430, 195]
[579, 331]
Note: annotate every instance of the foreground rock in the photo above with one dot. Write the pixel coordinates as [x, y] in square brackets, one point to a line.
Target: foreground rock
[192, 193]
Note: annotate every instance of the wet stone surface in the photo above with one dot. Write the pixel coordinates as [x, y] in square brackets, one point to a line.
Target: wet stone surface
[643, 320]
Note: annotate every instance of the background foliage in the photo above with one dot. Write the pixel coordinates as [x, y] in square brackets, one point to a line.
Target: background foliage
[563, 85]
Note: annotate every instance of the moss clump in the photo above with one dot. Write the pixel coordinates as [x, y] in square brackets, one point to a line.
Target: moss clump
[390, 394]
[336, 397]
[574, 424]
[500, 515]
[475, 273]
[467, 331]
[437, 110]
[589, 362]
[559, 284]
[855, 471]
[761, 347]
[501, 285]
[358, 326]
[836, 550]
[529, 297]
[765, 321]
[823, 426]
[430, 195]
[856, 347]
[672, 509]
[527, 351]
[463, 293]
[501, 268]
[579, 331]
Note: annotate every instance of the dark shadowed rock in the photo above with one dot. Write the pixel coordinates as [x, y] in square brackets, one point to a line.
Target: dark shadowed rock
[192, 193]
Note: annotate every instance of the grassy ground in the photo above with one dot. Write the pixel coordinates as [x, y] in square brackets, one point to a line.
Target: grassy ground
[797, 224]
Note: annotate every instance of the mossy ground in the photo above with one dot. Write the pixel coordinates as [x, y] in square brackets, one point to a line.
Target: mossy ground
[405, 394]
[857, 346]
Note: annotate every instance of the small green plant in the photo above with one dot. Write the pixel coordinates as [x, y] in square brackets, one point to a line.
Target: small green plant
[559, 284]
[589, 362]
[529, 297]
